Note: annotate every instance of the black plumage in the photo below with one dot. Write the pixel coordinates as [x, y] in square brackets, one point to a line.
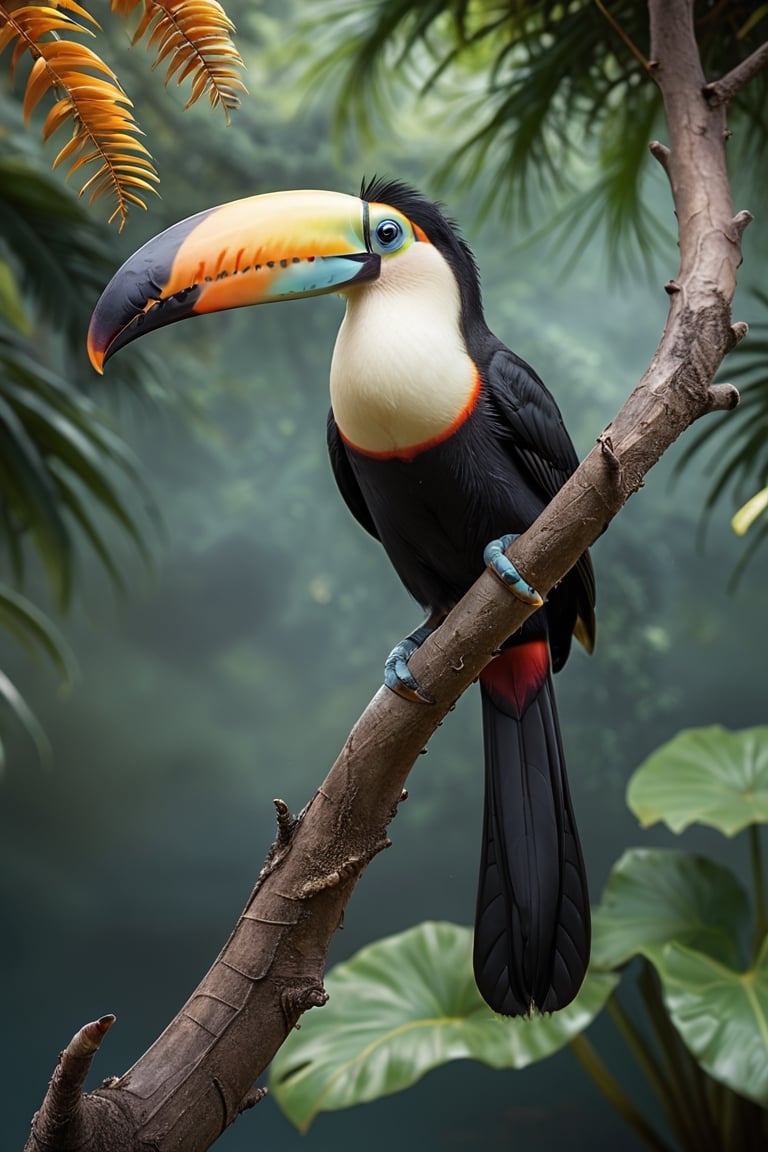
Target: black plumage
[434, 512]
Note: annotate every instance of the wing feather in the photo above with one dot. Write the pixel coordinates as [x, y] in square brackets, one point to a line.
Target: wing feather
[532, 426]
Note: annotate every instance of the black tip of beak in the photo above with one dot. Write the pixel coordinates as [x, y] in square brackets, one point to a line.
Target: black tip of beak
[121, 313]
[158, 315]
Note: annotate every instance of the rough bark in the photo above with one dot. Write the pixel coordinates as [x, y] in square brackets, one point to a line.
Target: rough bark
[198, 1075]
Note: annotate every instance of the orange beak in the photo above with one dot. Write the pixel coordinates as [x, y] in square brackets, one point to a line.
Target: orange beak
[252, 251]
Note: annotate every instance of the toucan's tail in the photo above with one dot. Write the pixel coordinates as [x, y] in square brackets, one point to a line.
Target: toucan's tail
[532, 925]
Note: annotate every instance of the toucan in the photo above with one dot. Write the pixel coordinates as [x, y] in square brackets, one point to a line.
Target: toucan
[444, 444]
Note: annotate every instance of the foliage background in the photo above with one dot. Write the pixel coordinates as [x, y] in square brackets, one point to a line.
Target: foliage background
[233, 671]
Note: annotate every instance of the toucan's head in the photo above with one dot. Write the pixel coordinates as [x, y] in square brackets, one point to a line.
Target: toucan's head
[277, 246]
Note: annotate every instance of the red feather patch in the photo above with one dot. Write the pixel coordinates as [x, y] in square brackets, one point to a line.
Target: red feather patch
[515, 677]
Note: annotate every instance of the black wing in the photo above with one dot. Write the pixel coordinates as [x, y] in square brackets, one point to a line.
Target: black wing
[345, 478]
[530, 421]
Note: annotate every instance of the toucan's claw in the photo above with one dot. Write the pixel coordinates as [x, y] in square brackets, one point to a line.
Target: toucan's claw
[398, 676]
[504, 569]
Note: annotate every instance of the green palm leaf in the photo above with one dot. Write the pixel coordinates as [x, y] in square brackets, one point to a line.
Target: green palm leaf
[57, 258]
[66, 477]
[561, 98]
[62, 261]
[31, 499]
[12, 698]
[59, 456]
[35, 632]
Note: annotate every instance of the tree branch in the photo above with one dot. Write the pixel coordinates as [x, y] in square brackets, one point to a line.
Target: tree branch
[198, 1075]
[722, 90]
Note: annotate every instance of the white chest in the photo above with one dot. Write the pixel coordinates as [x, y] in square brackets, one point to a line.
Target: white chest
[401, 376]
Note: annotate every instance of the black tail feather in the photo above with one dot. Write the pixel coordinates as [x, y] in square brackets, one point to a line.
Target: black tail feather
[532, 926]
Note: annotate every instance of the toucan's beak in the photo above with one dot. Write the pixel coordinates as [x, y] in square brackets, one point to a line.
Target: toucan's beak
[252, 251]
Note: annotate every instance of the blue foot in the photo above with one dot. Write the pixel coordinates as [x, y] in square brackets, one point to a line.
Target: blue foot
[505, 570]
[398, 676]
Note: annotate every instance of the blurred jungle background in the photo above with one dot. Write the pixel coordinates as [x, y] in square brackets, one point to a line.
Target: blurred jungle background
[226, 666]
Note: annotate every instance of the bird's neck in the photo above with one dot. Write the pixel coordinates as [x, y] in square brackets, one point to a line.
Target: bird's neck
[401, 377]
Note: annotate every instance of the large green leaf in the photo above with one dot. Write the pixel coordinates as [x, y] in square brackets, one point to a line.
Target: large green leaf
[656, 896]
[722, 1015]
[705, 775]
[401, 1007]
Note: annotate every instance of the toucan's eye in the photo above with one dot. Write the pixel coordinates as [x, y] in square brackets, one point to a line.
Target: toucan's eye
[389, 235]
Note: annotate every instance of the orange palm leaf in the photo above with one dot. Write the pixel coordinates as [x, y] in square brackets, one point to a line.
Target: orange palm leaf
[194, 36]
[89, 95]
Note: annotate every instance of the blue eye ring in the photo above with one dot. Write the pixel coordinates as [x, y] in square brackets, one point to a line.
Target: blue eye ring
[389, 235]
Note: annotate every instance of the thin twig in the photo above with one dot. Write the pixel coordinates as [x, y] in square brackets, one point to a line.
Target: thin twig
[661, 153]
[621, 33]
[722, 90]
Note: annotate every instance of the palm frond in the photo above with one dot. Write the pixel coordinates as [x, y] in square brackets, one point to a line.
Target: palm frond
[60, 467]
[36, 633]
[12, 307]
[742, 521]
[60, 259]
[89, 98]
[542, 91]
[194, 37]
[30, 498]
[15, 702]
